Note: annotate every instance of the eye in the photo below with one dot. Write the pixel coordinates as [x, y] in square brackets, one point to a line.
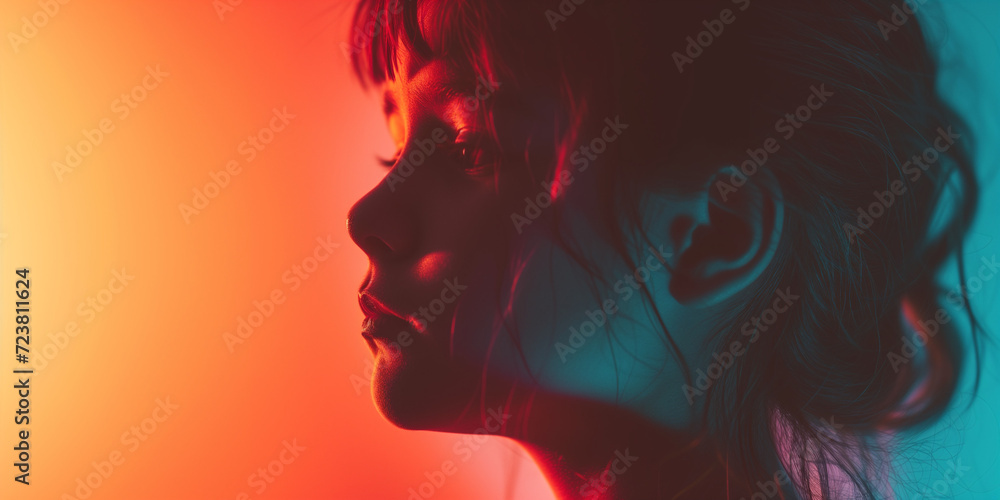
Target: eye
[397, 130]
[472, 153]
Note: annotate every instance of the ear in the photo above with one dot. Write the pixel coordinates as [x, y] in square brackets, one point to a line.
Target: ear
[727, 236]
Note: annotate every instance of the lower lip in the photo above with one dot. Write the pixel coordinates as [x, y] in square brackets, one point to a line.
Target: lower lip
[385, 327]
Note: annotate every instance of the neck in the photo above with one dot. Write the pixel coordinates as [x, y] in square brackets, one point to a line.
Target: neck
[595, 451]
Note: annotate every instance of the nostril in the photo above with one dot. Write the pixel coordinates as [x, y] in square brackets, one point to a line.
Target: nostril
[380, 226]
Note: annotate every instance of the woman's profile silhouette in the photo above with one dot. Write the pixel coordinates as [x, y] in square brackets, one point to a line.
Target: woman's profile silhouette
[675, 249]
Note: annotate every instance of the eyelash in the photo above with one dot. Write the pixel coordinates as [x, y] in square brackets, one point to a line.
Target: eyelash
[388, 162]
[474, 165]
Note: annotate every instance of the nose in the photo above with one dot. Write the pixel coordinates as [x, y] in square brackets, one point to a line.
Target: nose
[381, 225]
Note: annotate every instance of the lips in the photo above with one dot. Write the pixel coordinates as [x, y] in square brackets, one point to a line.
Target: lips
[386, 334]
[372, 306]
[380, 322]
[382, 326]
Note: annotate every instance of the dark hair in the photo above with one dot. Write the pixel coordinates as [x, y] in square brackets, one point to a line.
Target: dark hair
[864, 278]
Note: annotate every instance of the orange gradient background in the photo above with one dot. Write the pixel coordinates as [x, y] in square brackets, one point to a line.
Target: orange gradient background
[300, 375]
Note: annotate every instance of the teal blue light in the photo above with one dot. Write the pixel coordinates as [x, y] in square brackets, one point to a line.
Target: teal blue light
[966, 33]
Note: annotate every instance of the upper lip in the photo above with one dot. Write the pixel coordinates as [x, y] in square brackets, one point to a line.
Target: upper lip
[372, 306]
[374, 309]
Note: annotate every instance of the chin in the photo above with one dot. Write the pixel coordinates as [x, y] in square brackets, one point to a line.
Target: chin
[423, 392]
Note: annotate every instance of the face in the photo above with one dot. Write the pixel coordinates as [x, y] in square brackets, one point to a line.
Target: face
[465, 276]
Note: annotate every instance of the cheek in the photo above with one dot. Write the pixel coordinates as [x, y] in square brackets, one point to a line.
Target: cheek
[565, 329]
[514, 322]
[460, 247]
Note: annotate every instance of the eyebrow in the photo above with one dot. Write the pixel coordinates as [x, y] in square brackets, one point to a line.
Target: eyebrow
[455, 85]
[452, 88]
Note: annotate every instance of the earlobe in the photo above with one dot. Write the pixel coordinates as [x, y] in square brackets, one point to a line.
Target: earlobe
[728, 242]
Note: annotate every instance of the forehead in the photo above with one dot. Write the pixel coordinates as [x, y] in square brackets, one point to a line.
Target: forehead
[419, 84]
